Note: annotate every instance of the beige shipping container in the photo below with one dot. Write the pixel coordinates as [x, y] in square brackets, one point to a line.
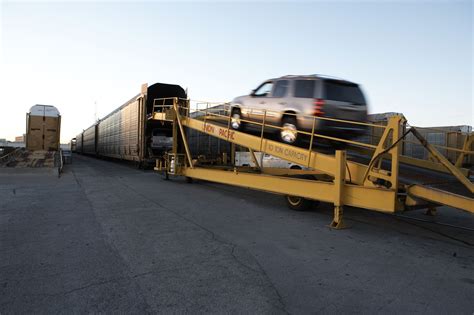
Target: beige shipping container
[43, 124]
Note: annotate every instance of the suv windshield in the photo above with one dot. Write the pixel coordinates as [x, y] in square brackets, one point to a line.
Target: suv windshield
[264, 89]
[344, 92]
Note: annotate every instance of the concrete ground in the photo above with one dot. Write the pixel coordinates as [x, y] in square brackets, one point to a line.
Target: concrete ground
[109, 238]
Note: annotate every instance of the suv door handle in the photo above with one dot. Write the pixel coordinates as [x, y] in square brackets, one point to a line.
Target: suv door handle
[282, 103]
[262, 102]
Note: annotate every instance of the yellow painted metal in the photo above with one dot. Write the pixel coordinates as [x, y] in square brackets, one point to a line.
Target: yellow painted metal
[291, 172]
[389, 144]
[453, 169]
[442, 197]
[254, 159]
[352, 184]
[468, 141]
[287, 152]
[339, 183]
[183, 135]
[159, 116]
[357, 196]
[281, 185]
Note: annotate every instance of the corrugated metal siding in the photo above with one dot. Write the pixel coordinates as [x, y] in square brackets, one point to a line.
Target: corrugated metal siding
[118, 133]
[89, 140]
[79, 143]
[203, 144]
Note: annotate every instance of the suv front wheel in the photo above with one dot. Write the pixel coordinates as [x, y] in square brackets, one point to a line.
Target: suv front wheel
[288, 131]
[236, 119]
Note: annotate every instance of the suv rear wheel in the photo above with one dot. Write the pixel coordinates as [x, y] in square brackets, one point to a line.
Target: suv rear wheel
[288, 131]
[299, 203]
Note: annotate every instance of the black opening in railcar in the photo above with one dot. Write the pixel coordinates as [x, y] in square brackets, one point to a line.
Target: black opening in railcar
[158, 133]
[162, 90]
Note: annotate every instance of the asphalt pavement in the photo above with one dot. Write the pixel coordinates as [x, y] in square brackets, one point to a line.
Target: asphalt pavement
[108, 238]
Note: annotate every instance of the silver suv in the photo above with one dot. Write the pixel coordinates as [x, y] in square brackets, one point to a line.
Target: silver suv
[291, 101]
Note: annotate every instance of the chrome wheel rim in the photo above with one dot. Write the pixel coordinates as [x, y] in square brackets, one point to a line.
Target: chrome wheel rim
[235, 121]
[293, 200]
[288, 133]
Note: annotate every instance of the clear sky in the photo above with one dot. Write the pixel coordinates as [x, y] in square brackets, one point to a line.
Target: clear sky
[91, 57]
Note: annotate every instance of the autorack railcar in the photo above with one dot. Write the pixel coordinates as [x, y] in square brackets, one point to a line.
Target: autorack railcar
[127, 133]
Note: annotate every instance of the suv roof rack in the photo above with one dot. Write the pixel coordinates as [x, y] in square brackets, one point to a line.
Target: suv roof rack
[324, 76]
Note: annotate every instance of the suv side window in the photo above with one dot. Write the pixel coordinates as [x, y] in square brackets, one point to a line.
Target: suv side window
[281, 88]
[263, 90]
[304, 88]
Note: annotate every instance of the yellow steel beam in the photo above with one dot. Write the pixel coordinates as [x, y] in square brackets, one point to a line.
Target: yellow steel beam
[468, 141]
[254, 159]
[289, 172]
[441, 197]
[389, 144]
[365, 197]
[183, 135]
[323, 162]
[339, 186]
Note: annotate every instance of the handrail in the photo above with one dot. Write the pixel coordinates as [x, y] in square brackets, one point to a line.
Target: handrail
[311, 134]
[10, 155]
[441, 130]
[225, 117]
[226, 107]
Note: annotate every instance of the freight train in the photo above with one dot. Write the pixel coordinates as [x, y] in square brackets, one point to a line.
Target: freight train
[127, 133]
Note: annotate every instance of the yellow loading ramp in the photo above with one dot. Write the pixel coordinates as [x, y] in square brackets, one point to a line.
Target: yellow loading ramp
[353, 184]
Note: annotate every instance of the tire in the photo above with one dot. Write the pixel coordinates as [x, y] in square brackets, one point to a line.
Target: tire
[299, 203]
[236, 120]
[289, 132]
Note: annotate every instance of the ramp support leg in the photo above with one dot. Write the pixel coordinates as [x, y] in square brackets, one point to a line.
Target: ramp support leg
[339, 180]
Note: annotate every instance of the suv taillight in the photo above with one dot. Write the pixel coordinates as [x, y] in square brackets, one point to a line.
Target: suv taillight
[318, 107]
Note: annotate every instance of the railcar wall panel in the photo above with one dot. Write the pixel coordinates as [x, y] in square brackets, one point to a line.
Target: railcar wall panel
[79, 143]
[118, 133]
[89, 140]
